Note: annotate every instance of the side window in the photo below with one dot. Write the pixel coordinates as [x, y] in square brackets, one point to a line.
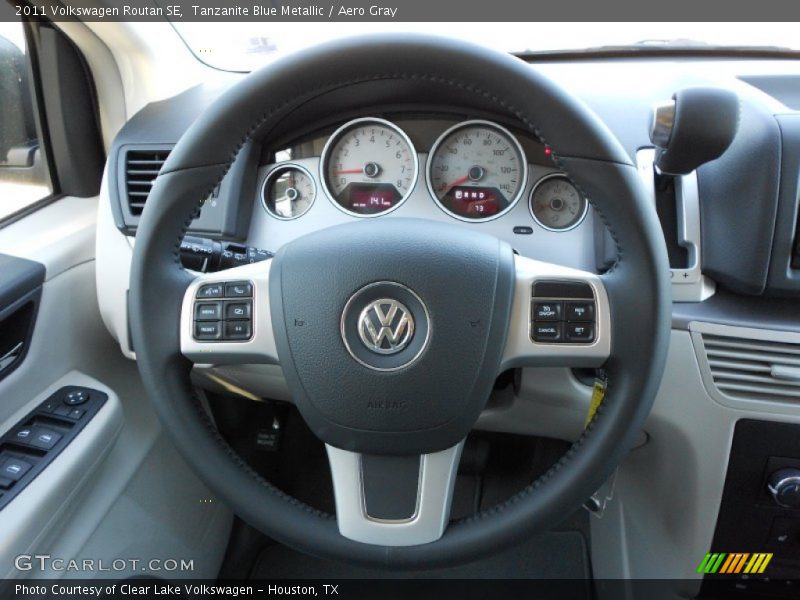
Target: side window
[24, 178]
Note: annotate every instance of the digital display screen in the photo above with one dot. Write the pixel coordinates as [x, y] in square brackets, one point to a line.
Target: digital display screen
[474, 202]
[369, 200]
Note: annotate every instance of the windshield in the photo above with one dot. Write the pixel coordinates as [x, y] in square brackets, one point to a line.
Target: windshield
[246, 46]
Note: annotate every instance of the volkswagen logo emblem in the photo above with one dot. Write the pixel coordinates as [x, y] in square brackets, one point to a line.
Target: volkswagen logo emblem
[385, 326]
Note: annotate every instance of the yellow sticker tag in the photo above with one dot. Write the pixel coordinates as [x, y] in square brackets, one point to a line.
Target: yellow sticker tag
[598, 393]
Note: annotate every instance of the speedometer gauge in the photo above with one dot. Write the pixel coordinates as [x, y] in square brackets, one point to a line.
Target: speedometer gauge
[369, 167]
[477, 171]
[556, 204]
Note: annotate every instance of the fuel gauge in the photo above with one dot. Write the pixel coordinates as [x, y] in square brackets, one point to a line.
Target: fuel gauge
[556, 204]
[288, 192]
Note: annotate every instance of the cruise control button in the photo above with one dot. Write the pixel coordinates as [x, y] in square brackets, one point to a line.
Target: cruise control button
[580, 332]
[580, 311]
[43, 438]
[238, 289]
[237, 330]
[547, 311]
[208, 311]
[546, 332]
[238, 310]
[14, 468]
[76, 397]
[214, 290]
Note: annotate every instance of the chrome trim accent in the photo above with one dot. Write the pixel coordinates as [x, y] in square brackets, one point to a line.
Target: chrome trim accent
[533, 214]
[324, 159]
[347, 308]
[277, 169]
[688, 285]
[523, 184]
[397, 338]
[434, 499]
[661, 123]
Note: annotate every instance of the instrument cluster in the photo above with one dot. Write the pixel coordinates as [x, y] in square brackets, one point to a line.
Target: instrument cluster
[475, 171]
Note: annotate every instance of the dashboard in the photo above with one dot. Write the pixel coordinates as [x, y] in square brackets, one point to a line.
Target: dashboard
[472, 172]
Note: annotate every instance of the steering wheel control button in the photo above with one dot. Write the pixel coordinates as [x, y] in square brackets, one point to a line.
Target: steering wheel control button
[76, 397]
[238, 310]
[580, 332]
[207, 330]
[385, 326]
[208, 311]
[14, 468]
[580, 311]
[575, 319]
[238, 330]
[546, 332]
[214, 290]
[547, 311]
[238, 289]
[562, 289]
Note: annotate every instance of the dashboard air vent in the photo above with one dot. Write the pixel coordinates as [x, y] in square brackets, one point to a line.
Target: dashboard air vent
[141, 169]
[746, 368]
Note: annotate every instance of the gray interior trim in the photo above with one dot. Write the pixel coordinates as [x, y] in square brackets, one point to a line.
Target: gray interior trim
[437, 479]
[39, 506]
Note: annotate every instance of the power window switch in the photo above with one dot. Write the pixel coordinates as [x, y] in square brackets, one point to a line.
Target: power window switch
[14, 468]
[62, 411]
[43, 438]
[23, 435]
[5, 483]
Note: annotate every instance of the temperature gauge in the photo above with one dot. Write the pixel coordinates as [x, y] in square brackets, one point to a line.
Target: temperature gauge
[288, 192]
[556, 204]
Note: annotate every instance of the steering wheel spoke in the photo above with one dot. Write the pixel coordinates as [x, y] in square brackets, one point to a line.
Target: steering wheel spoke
[393, 500]
[560, 317]
[226, 318]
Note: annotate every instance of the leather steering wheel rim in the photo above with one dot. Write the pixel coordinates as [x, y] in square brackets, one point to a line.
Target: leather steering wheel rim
[637, 285]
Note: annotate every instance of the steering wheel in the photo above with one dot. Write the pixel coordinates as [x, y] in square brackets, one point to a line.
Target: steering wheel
[391, 332]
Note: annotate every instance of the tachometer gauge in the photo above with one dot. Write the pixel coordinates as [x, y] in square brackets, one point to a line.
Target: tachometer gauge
[369, 167]
[288, 192]
[556, 204]
[477, 171]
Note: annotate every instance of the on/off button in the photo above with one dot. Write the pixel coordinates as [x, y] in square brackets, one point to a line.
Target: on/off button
[547, 311]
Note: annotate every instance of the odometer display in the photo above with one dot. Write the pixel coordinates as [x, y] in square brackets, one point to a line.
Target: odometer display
[477, 171]
[369, 167]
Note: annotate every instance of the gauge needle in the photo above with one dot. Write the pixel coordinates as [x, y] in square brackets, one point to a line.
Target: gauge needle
[348, 172]
[453, 184]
